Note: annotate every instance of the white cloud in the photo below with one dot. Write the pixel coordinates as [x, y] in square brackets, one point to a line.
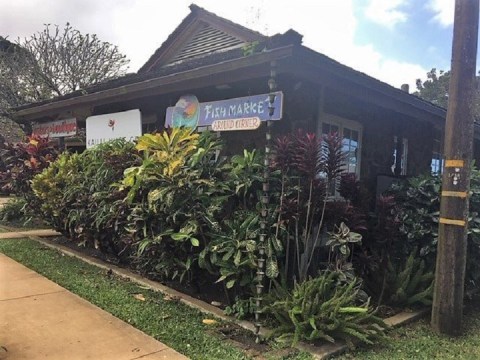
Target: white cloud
[329, 27]
[371, 62]
[443, 11]
[386, 12]
[399, 73]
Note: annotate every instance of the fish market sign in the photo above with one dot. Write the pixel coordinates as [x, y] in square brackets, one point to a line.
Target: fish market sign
[56, 129]
[245, 113]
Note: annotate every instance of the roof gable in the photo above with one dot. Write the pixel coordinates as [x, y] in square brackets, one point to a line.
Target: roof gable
[201, 33]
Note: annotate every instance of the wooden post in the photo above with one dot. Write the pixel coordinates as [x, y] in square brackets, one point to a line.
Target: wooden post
[61, 143]
[447, 310]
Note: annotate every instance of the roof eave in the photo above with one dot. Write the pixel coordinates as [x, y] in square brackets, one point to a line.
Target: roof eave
[367, 81]
[130, 90]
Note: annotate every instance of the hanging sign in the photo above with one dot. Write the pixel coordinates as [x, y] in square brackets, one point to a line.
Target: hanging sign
[238, 124]
[102, 128]
[186, 112]
[56, 129]
[244, 113]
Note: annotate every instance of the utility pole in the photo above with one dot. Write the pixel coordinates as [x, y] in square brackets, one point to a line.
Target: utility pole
[447, 310]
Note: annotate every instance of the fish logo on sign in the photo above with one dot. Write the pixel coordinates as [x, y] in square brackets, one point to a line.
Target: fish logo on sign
[186, 112]
[111, 123]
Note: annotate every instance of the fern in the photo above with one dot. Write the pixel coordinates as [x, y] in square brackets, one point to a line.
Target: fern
[319, 308]
[409, 284]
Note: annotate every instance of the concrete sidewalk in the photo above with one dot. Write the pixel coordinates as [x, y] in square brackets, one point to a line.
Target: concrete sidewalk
[5, 199]
[27, 233]
[41, 320]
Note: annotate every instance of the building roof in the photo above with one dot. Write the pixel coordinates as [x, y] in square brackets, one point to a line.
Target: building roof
[180, 55]
[4, 44]
[201, 33]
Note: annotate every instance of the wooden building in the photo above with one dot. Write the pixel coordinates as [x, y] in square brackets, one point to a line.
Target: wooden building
[387, 131]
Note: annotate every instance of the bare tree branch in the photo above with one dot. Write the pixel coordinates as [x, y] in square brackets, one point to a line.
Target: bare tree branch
[54, 62]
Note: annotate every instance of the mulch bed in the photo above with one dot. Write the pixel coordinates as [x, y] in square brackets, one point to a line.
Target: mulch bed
[205, 289]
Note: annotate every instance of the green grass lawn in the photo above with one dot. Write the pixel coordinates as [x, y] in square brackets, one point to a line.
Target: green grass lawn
[418, 341]
[171, 322]
[181, 327]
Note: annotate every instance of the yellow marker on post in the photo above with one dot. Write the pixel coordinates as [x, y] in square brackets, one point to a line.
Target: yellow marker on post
[452, 222]
[459, 194]
[454, 163]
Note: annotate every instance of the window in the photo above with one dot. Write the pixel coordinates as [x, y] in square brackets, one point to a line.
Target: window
[400, 156]
[437, 157]
[350, 147]
[351, 133]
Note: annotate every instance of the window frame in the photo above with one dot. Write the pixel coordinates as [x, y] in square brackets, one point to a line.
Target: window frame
[437, 153]
[343, 123]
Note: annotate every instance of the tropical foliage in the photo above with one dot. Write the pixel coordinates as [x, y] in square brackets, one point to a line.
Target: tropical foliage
[171, 206]
[78, 196]
[22, 161]
[319, 308]
[418, 202]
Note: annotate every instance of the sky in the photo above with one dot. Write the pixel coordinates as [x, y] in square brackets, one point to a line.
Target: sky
[396, 41]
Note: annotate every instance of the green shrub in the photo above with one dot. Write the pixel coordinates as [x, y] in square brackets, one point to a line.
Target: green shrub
[418, 200]
[410, 284]
[78, 196]
[320, 308]
[13, 211]
[98, 215]
[232, 251]
[176, 195]
[241, 308]
[403, 284]
[51, 185]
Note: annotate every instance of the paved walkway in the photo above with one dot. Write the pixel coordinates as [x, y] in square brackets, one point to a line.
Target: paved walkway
[4, 200]
[41, 320]
[27, 233]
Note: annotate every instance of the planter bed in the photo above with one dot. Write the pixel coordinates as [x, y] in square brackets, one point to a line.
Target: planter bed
[318, 350]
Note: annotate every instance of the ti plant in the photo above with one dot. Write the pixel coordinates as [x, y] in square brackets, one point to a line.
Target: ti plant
[320, 308]
[22, 161]
[309, 167]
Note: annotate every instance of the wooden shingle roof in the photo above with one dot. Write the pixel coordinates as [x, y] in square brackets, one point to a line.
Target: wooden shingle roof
[200, 34]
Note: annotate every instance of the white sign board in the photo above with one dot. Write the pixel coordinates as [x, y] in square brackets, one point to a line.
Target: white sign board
[102, 128]
[56, 129]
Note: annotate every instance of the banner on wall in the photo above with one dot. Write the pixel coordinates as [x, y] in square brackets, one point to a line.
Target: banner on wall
[56, 129]
[102, 128]
[244, 113]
